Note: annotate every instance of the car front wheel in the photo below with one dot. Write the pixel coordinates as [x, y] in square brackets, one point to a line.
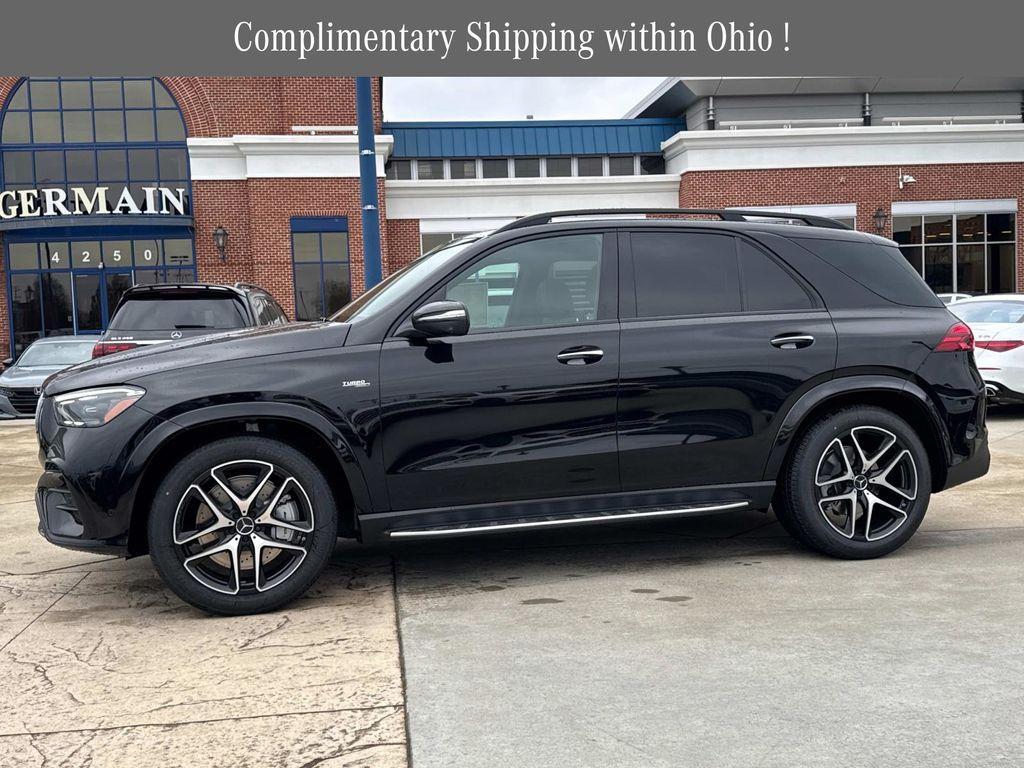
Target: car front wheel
[857, 485]
[243, 525]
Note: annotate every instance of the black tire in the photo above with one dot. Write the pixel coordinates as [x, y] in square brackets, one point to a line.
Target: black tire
[318, 542]
[797, 501]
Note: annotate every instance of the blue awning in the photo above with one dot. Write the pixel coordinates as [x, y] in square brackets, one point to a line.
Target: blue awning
[531, 138]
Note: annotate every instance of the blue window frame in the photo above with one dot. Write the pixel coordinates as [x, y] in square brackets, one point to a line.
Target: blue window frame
[320, 265]
[89, 132]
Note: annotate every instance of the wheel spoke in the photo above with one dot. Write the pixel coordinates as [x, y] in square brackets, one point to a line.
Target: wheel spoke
[261, 543]
[267, 518]
[851, 498]
[243, 504]
[220, 520]
[872, 502]
[882, 478]
[837, 445]
[868, 463]
[230, 546]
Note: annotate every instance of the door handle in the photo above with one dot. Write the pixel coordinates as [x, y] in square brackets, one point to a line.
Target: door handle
[792, 341]
[580, 355]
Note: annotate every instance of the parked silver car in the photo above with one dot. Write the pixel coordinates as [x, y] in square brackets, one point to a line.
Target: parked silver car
[21, 381]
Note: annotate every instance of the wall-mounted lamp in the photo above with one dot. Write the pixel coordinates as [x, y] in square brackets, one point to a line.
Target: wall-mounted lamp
[904, 179]
[880, 217]
[220, 240]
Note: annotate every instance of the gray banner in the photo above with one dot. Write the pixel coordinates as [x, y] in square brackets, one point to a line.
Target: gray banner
[525, 37]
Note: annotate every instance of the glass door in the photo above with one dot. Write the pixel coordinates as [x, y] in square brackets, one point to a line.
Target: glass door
[116, 282]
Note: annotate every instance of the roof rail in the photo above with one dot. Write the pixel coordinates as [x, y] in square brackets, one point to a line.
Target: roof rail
[725, 214]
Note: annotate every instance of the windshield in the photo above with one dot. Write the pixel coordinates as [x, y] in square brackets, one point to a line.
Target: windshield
[990, 311]
[56, 353]
[386, 293]
[166, 313]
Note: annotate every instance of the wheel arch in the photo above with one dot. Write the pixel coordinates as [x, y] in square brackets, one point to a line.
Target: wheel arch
[324, 445]
[904, 398]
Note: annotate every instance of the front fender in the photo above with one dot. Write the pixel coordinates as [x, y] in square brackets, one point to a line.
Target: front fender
[840, 387]
[341, 438]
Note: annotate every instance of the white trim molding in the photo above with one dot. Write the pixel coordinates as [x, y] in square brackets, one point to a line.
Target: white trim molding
[490, 200]
[933, 207]
[279, 157]
[775, 148]
[830, 211]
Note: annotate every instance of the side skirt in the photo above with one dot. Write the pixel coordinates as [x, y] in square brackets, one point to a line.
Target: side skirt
[566, 511]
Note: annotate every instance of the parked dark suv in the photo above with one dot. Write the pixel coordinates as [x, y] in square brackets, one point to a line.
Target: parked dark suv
[568, 369]
[159, 313]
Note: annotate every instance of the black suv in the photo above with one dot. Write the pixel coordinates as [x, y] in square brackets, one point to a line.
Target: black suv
[159, 313]
[568, 369]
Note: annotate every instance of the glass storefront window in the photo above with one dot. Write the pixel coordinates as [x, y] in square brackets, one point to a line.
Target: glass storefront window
[89, 132]
[61, 132]
[971, 258]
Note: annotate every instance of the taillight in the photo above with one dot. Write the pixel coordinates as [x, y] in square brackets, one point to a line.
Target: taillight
[104, 348]
[999, 346]
[957, 339]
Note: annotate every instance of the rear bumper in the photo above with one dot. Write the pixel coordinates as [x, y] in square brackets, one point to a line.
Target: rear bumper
[971, 468]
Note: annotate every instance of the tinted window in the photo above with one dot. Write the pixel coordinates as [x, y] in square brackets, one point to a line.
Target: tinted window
[766, 285]
[559, 166]
[683, 273]
[553, 281]
[167, 313]
[495, 169]
[879, 268]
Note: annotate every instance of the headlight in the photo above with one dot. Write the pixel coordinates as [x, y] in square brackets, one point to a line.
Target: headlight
[94, 407]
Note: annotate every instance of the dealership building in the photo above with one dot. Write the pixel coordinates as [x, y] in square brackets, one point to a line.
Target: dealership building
[110, 182]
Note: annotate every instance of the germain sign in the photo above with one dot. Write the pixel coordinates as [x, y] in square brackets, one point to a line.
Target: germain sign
[79, 201]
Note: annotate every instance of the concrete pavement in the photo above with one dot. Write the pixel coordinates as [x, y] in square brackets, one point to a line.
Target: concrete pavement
[712, 641]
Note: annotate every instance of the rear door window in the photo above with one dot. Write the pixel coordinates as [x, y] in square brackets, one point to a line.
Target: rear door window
[169, 313]
[685, 273]
[767, 286]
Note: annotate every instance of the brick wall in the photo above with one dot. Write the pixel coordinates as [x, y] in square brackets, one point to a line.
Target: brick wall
[403, 242]
[870, 188]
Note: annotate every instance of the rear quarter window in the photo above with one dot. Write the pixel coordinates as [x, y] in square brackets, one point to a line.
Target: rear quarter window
[881, 269]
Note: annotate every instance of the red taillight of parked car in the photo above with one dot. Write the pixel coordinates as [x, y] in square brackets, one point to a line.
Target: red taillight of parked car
[104, 348]
[957, 339]
[1001, 345]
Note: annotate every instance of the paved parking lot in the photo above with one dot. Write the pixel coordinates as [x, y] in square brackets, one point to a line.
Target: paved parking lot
[712, 641]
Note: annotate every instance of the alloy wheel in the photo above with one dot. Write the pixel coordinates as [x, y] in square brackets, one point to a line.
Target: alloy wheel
[866, 483]
[243, 527]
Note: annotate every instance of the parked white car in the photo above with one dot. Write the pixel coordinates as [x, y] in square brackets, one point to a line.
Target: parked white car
[997, 321]
[952, 298]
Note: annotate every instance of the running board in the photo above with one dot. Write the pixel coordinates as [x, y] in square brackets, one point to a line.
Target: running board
[553, 521]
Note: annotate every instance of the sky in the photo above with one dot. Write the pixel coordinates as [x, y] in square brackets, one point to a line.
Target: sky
[512, 98]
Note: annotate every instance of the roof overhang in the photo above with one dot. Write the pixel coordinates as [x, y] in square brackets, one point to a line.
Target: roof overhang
[674, 94]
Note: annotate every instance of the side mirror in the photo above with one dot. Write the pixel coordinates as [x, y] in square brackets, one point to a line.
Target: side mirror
[439, 318]
[8, 362]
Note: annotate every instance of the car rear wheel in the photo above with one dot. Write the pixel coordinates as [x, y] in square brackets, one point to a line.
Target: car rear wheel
[857, 485]
[243, 525]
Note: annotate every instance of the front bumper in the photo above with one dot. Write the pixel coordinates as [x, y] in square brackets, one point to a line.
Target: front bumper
[84, 496]
[61, 521]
